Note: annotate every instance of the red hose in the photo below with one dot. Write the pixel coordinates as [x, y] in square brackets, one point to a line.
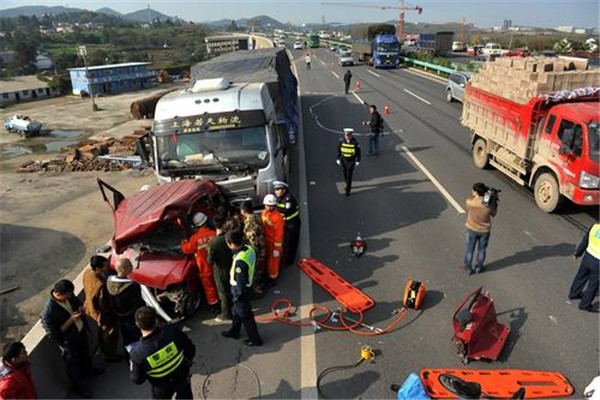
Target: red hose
[284, 317]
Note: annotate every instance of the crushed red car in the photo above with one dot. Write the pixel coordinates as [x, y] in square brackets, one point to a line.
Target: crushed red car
[149, 227]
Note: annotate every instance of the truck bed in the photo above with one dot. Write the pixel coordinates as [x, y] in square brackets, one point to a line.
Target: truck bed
[505, 122]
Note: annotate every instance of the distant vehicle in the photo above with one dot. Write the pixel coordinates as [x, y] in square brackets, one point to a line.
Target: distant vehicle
[324, 35]
[281, 43]
[346, 58]
[298, 45]
[493, 49]
[518, 53]
[458, 46]
[22, 125]
[332, 47]
[436, 43]
[474, 50]
[455, 87]
[548, 53]
[376, 44]
[312, 41]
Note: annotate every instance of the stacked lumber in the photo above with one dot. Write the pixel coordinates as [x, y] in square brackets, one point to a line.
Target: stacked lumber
[84, 156]
[520, 79]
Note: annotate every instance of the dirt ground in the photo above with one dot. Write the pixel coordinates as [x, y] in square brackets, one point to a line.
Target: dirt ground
[50, 224]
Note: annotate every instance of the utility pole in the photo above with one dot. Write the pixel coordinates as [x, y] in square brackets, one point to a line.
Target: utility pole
[82, 52]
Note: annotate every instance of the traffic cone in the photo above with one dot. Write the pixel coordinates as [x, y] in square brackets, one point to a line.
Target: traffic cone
[357, 86]
[386, 110]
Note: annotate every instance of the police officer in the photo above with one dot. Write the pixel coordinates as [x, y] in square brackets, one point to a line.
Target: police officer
[348, 156]
[241, 276]
[289, 209]
[588, 271]
[163, 356]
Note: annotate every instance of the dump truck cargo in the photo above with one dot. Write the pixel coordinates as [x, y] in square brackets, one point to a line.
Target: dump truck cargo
[436, 43]
[537, 121]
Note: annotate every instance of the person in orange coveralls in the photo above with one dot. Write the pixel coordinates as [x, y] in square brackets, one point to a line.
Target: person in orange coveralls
[273, 226]
[198, 244]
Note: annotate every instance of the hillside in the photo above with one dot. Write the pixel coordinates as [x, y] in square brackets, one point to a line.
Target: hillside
[145, 15]
[38, 11]
[109, 11]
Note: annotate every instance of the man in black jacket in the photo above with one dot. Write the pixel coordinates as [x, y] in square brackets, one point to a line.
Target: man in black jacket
[347, 80]
[348, 156]
[64, 323]
[375, 124]
[125, 298]
[163, 356]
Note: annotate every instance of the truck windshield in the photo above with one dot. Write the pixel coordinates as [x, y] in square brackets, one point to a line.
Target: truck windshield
[594, 141]
[388, 47]
[237, 148]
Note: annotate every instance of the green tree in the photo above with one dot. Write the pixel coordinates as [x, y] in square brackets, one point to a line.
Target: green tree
[233, 26]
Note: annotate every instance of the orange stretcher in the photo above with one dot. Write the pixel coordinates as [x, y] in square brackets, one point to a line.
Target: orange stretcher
[500, 383]
[352, 298]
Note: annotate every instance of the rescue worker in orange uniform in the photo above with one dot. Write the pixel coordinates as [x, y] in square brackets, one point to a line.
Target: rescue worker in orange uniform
[273, 227]
[198, 244]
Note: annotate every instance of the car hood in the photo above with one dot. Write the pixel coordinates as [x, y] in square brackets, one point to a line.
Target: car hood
[145, 211]
[161, 270]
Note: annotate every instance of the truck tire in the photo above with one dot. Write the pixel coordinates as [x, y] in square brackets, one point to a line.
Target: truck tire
[449, 97]
[547, 193]
[481, 158]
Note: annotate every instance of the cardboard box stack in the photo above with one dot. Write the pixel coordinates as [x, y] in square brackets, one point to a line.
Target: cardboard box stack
[520, 79]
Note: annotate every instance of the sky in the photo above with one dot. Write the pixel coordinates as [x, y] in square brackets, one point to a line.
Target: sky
[483, 13]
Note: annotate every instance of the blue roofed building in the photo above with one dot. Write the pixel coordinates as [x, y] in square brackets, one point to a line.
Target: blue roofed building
[112, 78]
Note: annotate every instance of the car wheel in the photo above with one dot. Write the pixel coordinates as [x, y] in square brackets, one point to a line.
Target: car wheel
[449, 97]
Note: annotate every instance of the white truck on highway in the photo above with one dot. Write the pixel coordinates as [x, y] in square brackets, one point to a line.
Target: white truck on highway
[234, 125]
[493, 49]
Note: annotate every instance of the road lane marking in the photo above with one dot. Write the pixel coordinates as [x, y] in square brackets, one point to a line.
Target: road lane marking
[334, 74]
[358, 97]
[417, 72]
[373, 73]
[435, 182]
[308, 346]
[417, 96]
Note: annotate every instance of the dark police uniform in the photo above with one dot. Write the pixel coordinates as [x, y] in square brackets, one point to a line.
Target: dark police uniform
[348, 154]
[588, 271]
[241, 278]
[288, 207]
[163, 358]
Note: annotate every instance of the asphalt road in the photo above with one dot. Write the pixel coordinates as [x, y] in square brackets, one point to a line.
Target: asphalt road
[412, 230]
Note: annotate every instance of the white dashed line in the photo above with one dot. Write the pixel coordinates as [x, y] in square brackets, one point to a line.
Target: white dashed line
[358, 97]
[417, 96]
[334, 74]
[374, 73]
[435, 182]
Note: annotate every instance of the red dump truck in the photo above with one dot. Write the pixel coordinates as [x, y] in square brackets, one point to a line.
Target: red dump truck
[550, 143]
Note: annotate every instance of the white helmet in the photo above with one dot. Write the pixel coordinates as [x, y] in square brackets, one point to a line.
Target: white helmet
[199, 219]
[270, 200]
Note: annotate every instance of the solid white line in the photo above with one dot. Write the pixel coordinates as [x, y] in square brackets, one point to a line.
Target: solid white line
[373, 73]
[308, 346]
[321, 61]
[334, 74]
[417, 96]
[358, 97]
[435, 182]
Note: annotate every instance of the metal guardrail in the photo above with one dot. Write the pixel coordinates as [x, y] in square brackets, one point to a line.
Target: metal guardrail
[428, 66]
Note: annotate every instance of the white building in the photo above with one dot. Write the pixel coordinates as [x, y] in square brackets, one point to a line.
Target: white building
[565, 29]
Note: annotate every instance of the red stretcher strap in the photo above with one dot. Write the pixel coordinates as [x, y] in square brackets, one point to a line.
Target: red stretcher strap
[501, 383]
[352, 298]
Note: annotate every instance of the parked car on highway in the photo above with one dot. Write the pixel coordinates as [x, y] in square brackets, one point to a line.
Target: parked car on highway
[455, 87]
[458, 46]
[518, 53]
[332, 47]
[346, 58]
[281, 43]
[297, 45]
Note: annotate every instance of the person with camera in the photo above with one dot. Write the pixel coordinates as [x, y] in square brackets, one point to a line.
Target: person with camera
[481, 207]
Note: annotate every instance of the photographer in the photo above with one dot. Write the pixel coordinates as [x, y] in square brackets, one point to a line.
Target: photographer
[481, 207]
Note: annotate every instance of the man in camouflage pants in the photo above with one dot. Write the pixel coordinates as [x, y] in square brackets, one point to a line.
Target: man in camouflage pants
[253, 235]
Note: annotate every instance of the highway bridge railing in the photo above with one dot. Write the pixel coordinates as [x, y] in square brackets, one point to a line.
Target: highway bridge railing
[427, 66]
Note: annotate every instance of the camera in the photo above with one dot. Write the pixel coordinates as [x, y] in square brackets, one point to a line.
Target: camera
[491, 198]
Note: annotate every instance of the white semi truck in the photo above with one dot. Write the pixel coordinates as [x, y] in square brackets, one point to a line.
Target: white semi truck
[234, 125]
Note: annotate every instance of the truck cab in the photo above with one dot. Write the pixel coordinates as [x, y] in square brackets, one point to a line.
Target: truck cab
[224, 131]
[386, 51]
[567, 155]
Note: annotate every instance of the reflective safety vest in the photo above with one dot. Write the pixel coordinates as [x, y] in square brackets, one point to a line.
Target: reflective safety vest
[348, 149]
[248, 256]
[165, 361]
[594, 242]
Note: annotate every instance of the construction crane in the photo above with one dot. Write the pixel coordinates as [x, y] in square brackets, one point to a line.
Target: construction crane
[402, 7]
